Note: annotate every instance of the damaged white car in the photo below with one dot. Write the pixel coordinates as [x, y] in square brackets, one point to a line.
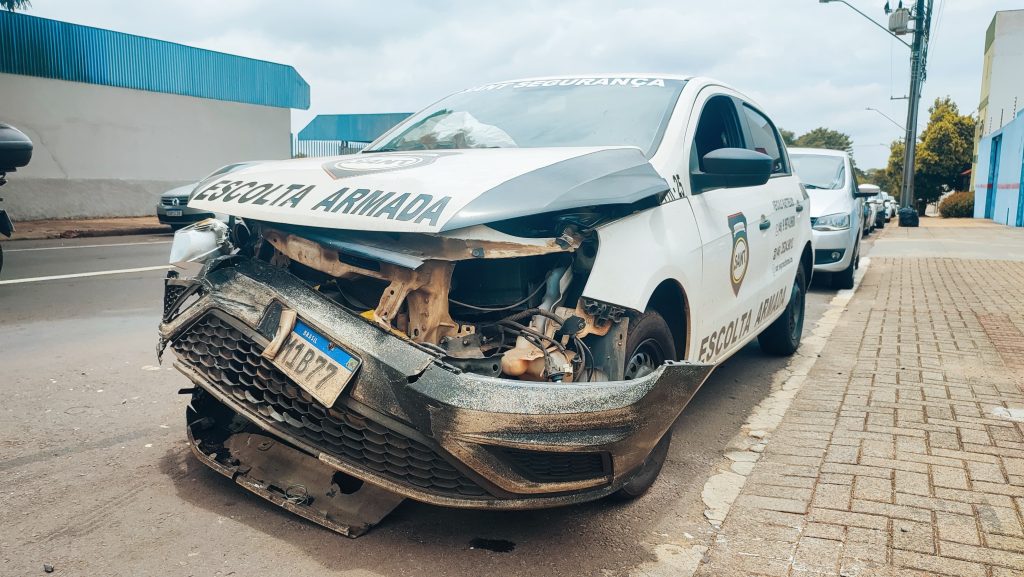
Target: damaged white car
[504, 302]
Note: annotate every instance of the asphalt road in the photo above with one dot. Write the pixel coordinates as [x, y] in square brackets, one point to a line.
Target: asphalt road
[96, 478]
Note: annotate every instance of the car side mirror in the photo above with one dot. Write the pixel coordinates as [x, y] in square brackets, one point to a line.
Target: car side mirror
[733, 168]
[866, 191]
[15, 148]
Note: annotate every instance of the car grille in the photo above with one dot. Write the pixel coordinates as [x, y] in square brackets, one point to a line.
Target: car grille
[171, 294]
[179, 202]
[548, 467]
[232, 363]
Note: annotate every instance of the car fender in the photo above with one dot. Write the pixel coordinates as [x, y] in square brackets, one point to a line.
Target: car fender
[637, 253]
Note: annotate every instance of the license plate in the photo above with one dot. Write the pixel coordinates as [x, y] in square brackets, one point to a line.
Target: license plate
[318, 366]
[173, 213]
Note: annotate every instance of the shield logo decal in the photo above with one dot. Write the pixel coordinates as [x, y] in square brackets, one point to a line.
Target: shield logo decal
[740, 251]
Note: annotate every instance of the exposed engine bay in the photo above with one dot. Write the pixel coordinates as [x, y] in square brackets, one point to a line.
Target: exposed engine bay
[491, 303]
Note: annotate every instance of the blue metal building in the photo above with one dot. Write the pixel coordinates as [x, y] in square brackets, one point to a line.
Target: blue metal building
[32, 46]
[117, 119]
[332, 134]
[999, 179]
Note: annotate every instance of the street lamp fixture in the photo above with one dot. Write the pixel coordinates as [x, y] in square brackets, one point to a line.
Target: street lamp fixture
[887, 117]
[922, 17]
[870, 19]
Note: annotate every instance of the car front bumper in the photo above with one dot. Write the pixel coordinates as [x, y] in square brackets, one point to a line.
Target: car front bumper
[829, 241]
[408, 422]
[187, 215]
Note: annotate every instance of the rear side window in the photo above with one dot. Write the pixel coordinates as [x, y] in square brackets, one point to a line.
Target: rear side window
[764, 138]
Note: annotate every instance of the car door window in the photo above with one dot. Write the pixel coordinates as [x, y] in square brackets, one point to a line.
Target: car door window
[718, 127]
[764, 138]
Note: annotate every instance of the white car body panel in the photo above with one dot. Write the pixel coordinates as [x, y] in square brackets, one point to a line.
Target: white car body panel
[690, 240]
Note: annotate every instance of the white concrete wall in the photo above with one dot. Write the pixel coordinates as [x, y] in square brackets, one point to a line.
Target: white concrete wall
[1006, 88]
[105, 151]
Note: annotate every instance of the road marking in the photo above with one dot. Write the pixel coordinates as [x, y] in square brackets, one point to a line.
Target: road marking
[88, 246]
[84, 274]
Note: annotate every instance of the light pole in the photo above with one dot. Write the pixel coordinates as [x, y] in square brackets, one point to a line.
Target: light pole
[887, 117]
[918, 55]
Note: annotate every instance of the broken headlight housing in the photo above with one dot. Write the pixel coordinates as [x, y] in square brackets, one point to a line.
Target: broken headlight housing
[199, 242]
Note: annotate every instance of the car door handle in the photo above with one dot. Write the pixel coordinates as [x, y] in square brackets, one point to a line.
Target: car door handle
[765, 223]
[799, 207]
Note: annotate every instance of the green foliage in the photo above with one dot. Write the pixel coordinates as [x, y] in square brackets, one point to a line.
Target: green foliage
[822, 137]
[894, 169]
[788, 136]
[944, 150]
[957, 205]
[15, 4]
[877, 176]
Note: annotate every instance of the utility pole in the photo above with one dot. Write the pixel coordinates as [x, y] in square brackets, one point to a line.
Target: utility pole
[918, 59]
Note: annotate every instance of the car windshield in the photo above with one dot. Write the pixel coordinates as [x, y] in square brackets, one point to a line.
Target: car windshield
[559, 112]
[820, 171]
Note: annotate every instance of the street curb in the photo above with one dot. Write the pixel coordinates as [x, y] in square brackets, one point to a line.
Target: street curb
[89, 233]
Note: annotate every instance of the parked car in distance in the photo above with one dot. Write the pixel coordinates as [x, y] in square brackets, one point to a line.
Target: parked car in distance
[485, 308]
[876, 204]
[173, 209]
[891, 206]
[837, 210]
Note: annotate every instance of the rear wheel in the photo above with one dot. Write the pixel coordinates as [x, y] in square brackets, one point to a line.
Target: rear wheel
[782, 337]
[648, 344]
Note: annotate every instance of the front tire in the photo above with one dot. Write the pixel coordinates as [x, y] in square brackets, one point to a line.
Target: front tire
[782, 337]
[844, 278]
[649, 344]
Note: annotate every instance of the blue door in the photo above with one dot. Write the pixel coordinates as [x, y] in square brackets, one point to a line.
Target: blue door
[993, 177]
[1020, 195]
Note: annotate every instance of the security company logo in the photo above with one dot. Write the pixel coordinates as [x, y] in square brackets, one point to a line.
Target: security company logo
[359, 164]
[740, 251]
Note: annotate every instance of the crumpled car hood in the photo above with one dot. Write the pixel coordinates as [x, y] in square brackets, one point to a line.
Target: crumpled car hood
[430, 191]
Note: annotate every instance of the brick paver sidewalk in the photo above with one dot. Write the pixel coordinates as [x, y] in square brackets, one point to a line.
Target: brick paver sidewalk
[903, 453]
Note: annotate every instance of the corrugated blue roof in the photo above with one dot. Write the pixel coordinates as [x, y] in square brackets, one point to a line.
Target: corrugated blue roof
[351, 127]
[34, 46]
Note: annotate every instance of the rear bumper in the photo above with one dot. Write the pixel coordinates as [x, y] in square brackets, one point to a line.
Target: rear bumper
[410, 423]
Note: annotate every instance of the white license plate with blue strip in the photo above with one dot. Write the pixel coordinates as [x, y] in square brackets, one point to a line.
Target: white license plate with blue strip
[317, 365]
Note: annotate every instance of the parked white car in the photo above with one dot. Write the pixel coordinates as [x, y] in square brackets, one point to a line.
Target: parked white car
[504, 302]
[837, 210]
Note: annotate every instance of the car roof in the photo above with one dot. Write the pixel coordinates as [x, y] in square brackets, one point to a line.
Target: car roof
[817, 151]
[666, 76]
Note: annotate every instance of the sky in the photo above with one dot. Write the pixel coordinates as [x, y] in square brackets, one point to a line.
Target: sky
[807, 64]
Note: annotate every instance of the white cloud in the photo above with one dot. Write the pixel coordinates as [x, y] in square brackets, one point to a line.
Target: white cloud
[808, 64]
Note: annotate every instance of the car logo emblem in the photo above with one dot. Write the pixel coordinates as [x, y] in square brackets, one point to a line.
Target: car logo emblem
[740, 251]
[369, 163]
[174, 202]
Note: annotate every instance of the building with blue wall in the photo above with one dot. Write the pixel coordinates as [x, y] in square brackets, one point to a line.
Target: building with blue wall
[999, 178]
[118, 118]
[332, 134]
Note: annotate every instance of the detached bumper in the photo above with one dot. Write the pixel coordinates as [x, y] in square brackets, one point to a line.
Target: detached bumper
[408, 422]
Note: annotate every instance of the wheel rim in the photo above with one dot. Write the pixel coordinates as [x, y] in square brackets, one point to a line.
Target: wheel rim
[647, 357]
[796, 308]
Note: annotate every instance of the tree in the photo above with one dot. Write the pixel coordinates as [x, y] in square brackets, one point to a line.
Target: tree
[822, 137]
[13, 5]
[876, 176]
[894, 169]
[788, 137]
[944, 150]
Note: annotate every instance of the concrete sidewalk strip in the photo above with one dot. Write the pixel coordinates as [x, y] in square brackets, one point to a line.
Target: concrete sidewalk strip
[91, 227]
[903, 451]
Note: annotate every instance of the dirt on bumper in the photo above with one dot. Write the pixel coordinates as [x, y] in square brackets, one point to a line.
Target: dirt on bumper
[408, 424]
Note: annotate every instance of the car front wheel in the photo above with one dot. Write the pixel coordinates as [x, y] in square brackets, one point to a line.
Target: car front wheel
[648, 344]
[782, 337]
